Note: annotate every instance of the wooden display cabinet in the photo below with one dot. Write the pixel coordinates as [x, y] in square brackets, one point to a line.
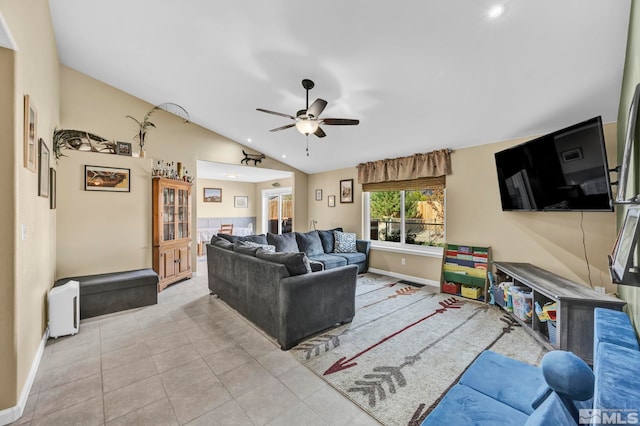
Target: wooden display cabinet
[171, 230]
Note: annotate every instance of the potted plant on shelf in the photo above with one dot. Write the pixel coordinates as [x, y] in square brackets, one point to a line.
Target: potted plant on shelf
[145, 124]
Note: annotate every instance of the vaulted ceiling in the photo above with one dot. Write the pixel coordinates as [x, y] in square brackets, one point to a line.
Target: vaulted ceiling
[419, 75]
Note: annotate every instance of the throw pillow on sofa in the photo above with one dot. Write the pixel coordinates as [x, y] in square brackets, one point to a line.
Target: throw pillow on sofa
[296, 263]
[260, 239]
[221, 242]
[345, 242]
[285, 243]
[250, 248]
[328, 239]
[310, 243]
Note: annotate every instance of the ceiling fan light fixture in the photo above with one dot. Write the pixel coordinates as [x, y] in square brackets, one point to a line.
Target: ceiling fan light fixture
[306, 127]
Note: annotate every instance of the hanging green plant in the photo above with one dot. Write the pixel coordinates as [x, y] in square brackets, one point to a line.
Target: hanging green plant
[145, 124]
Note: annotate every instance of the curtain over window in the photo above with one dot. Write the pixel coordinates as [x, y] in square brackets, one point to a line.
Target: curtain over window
[429, 165]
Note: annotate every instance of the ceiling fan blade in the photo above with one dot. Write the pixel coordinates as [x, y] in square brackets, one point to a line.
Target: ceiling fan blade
[283, 127]
[276, 113]
[320, 133]
[340, 121]
[316, 108]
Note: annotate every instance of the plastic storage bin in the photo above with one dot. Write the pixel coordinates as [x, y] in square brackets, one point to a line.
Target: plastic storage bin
[551, 329]
[64, 309]
[471, 292]
[522, 302]
[451, 288]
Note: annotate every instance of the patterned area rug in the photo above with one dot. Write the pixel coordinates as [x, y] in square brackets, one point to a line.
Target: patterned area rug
[407, 345]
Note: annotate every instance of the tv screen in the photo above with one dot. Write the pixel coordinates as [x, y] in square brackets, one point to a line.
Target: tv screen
[566, 170]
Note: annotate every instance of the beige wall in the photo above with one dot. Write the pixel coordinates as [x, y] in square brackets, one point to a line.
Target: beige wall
[36, 69]
[90, 105]
[550, 240]
[346, 215]
[631, 78]
[102, 231]
[229, 190]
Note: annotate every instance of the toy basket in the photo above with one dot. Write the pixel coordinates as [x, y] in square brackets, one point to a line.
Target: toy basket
[522, 302]
[471, 292]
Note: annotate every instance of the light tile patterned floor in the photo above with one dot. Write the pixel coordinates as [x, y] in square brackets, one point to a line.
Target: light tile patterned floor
[187, 360]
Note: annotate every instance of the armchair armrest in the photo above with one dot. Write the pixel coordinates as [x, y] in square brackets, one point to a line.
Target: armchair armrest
[363, 246]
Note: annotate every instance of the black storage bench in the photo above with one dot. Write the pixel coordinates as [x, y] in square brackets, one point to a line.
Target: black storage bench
[115, 291]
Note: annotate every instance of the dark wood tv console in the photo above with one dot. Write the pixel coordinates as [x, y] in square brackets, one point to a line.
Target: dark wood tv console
[576, 302]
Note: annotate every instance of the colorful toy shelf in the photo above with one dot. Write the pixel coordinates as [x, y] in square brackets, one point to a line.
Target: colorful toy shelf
[464, 271]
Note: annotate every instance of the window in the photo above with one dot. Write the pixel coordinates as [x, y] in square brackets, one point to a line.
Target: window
[408, 218]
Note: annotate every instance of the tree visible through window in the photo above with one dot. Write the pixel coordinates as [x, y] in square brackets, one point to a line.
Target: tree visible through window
[407, 217]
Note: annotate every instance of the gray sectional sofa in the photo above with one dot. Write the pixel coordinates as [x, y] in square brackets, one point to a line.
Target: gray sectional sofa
[319, 246]
[277, 291]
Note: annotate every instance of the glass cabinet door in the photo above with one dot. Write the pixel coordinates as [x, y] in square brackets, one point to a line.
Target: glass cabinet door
[183, 213]
[168, 214]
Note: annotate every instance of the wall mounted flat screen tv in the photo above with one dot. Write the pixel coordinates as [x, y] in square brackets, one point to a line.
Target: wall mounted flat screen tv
[566, 170]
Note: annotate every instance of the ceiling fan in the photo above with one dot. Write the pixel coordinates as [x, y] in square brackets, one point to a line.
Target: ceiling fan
[308, 120]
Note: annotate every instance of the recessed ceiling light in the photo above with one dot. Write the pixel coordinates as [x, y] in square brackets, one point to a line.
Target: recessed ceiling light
[495, 11]
[231, 176]
[284, 155]
[249, 140]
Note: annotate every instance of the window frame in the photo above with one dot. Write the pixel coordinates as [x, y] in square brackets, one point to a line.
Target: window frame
[402, 246]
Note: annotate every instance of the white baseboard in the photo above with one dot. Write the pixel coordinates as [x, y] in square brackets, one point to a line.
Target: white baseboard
[416, 280]
[10, 415]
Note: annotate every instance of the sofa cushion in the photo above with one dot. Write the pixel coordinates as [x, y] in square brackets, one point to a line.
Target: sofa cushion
[616, 371]
[221, 242]
[309, 243]
[285, 243]
[260, 239]
[465, 406]
[345, 242]
[330, 261]
[551, 412]
[487, 375]
[353, 258]
[296, 263]
[568, 375]
[250, 248]
[328, 239]
[613, 327]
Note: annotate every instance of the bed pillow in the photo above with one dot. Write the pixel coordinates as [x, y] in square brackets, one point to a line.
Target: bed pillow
[296, 263]
[345, 242]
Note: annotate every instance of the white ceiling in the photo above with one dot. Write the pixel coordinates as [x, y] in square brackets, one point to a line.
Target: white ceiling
[419, 75]
[238, 173]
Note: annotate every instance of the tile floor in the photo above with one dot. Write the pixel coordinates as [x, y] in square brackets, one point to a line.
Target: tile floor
[187, 360]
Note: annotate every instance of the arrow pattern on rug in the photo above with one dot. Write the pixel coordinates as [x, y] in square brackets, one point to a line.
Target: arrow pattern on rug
[420, 414]
[313, 346]
[407, 291]
[344, 363]
[372, 389]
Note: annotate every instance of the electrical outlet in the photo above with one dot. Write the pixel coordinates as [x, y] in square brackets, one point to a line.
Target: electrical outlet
[403, 261]
[24, 232]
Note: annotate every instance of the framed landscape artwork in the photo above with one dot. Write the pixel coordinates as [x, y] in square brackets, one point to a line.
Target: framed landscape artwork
[113, 179]
[43, 169]
[346, 191]
[212, 195]
[30, 147]
[123, 148]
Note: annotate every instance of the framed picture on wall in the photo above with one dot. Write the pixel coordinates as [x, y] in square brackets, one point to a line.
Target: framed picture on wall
[241, 201]
[30, 147]
[43, 170]
[52, 191]
[212, 195]
[123, 148]
[331, 200]
[112, 179]
[318, 194]
[346, 191]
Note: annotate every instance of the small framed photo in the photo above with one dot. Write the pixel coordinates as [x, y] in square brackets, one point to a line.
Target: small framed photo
[52, 192]
[318, 194]
[331, 200]
[123, 148]
[346, 191]
[241, 201]
[212, 195]
[30, 136]
[112, 179]
[571, 155]
[43, 170]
